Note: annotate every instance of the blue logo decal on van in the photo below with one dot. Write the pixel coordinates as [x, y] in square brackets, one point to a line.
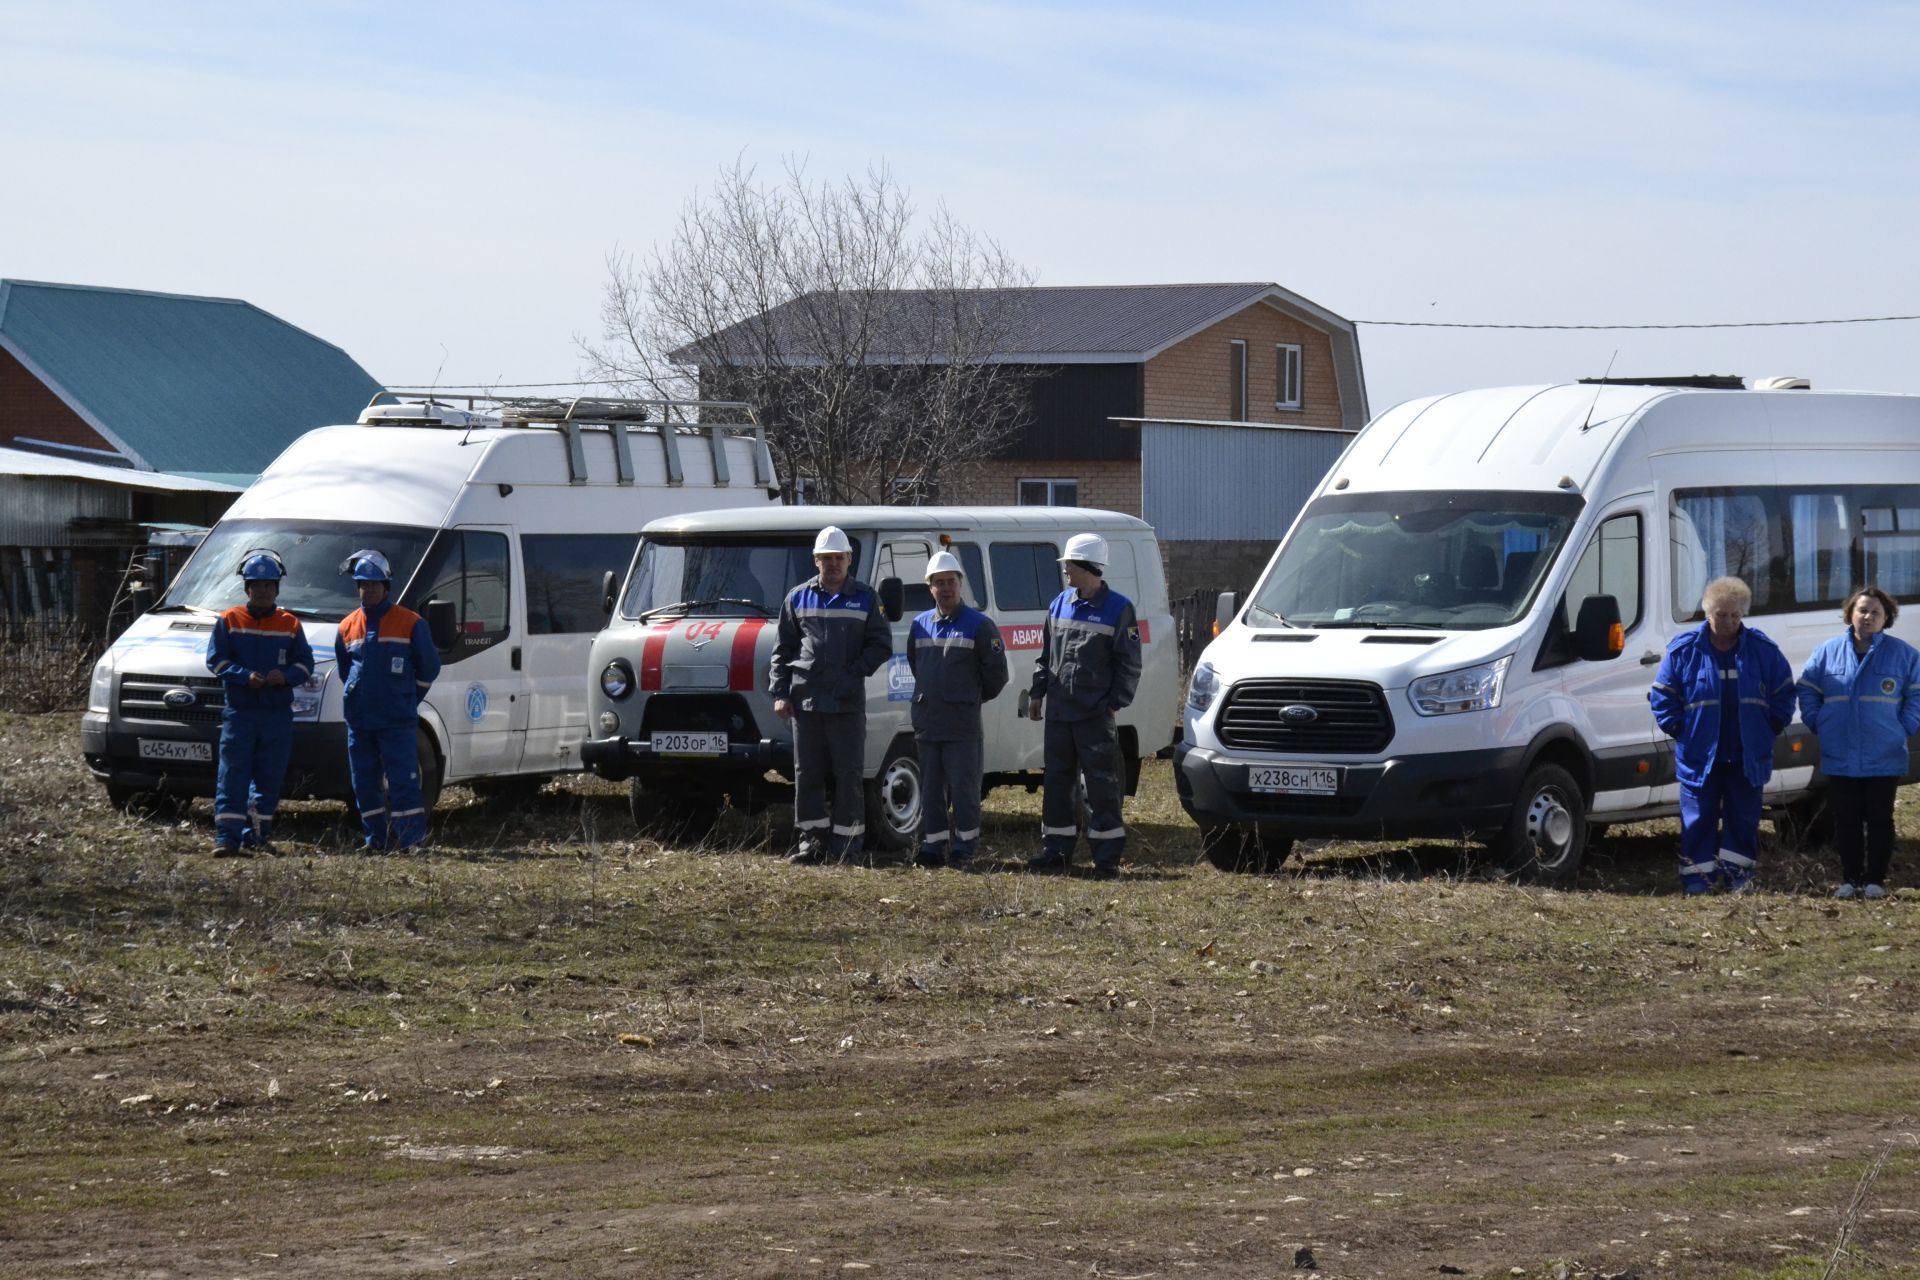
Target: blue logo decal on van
[899, 679]
[476, 701]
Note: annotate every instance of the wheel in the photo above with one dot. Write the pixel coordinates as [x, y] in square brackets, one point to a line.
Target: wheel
[158, 805]
[1546, 835]
[678, 817]
[1245, 847]
[1806, 824]
[427, 760]
[893, 801]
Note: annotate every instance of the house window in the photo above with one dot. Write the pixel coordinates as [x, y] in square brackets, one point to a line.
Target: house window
[1286, 367]
[1237, 380]
[1049, 493]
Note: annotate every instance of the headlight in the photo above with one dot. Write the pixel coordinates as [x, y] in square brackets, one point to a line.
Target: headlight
[100, 688]
[1471, 689]
[617, 680]
[1204, 688]
[307, 698]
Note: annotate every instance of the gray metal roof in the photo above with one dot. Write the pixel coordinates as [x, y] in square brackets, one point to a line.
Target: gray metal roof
[25, 462]
[190, 385]
[811, 519]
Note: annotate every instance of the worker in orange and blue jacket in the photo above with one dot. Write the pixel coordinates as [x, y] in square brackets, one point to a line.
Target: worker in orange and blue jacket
[387, 663]
[261, 656]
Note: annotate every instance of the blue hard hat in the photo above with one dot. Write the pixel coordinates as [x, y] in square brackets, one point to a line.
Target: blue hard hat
[262, 566]
[368, 566]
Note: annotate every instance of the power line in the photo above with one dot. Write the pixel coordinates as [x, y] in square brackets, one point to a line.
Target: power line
[1736, 324]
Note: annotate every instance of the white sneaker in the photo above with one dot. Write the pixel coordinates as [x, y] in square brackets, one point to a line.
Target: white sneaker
[1845, 892]
[1873, 891]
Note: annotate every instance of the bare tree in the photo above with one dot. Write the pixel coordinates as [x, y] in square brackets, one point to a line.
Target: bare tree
[866, 336]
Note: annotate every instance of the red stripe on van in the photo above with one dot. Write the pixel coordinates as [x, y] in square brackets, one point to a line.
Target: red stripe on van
[746, 639]
[651, 654]
[1144, 637]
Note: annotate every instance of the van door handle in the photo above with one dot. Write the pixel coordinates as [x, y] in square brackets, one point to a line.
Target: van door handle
[1646, 659]
[514, 657]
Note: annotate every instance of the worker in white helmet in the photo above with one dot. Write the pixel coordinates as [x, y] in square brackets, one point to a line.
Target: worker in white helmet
[832, 636]
[1088, 669]
[958, 662]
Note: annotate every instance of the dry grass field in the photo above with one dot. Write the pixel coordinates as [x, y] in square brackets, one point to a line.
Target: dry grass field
[550, 1047]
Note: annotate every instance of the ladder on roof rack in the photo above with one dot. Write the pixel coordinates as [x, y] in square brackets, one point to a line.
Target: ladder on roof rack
[666, 420]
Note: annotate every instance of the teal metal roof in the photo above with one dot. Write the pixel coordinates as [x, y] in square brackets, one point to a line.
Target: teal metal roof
[212, 388]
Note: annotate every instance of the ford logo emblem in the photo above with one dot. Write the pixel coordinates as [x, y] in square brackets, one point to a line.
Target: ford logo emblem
[1297, 714]
[179, 698]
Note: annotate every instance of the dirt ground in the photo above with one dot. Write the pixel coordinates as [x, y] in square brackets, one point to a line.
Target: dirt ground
[552, 1047]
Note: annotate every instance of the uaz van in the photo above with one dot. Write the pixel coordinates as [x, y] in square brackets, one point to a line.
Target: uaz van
[1457, 635]
[499, 525]
[679, 677]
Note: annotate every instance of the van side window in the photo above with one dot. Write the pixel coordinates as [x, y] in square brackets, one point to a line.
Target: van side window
[469, 568]
[1798, 546]
[906, 559]
[1610, 566]
[973, 589]
[563, 578]
[1026, 575]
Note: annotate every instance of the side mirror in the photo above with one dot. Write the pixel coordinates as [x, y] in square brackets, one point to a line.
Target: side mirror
[608, 585]
[443, 624]
[893, 598]
[1598, 635]
[1225, 605]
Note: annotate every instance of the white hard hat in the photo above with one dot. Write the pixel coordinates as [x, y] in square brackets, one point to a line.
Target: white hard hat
[1090, 547]
[944, 562]
[832, 539]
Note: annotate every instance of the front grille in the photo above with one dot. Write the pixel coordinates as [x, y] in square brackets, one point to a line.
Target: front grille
[701, 713]
[1350, 717]
[143, 697]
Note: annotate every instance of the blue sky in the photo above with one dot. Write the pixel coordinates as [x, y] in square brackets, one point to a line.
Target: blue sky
[435, 187]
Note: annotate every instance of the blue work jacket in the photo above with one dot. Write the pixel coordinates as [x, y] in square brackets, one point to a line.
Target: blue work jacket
[958, 663]
[1089, 663]
[1686, 702]
[243, 645]
[1864, 708]
[827, 644]
[387, 664]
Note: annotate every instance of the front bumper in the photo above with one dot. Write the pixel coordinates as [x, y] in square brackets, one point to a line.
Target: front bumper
[317, 769]
[619, 758]
[1438, 796]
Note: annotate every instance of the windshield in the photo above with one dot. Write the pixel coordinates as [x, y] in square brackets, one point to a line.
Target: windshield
[1463, 561]
[312, 551]
[742, 576]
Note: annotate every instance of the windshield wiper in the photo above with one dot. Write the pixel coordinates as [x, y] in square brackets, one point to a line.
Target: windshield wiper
[688, 606]
[184, 608]
[1269, 613]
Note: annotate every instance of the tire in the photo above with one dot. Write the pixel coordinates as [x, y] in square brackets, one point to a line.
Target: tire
[1546, 835]
[1245, 848]
[894, 798]
[1805, 825]
[679, 818]
[427, 760]
[157, 805]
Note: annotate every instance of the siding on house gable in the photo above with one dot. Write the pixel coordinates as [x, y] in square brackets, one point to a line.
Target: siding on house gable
[1189, 380]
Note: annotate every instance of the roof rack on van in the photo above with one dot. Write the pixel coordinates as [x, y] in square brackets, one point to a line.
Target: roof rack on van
[1699, 381]
[667, 420]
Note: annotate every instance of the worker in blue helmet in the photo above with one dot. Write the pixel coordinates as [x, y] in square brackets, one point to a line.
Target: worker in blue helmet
[387, 662]
[260, 655]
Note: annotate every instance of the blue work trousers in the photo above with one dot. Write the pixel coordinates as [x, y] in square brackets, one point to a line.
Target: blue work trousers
[1085, 750]
[1719, 829]
[254, 746]
[386, 786]
[949, 785]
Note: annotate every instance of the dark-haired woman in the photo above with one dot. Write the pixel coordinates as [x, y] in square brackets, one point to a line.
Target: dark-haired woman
[1860, 692]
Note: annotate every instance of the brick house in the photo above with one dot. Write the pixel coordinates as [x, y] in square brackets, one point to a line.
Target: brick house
[1111, 359]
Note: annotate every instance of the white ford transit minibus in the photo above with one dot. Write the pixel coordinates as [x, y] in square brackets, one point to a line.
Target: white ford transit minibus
[499, 522]
[1457, 634]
